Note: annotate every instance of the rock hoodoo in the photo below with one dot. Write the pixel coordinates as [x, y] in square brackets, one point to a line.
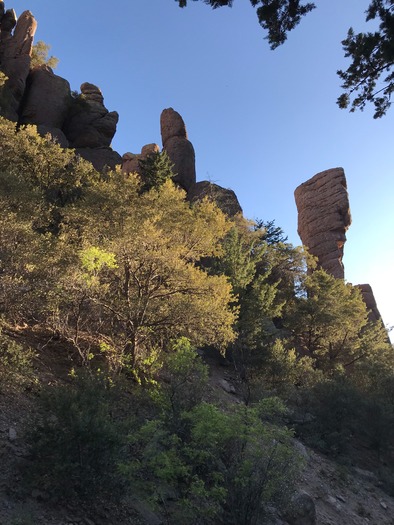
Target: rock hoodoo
[324, 217]
[89, 123]
[178, 147]
[90, 127]
[38, 96]
[15, 52]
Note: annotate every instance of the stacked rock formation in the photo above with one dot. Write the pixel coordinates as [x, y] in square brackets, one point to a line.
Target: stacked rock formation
[15, 52]
[324, 217]
[181, 152]
[90, 127]
[38, 96]
[178, 147]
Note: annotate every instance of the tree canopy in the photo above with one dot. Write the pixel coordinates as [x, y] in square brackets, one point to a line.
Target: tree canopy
[370, 75]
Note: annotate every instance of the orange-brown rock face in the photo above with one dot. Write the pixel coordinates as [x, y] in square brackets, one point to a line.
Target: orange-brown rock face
[131, 161]
[324, 217]
[179, 149]
[224, 198]
[369, 300]
[15, 51]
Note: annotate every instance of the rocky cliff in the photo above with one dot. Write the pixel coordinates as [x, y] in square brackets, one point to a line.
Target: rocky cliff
[38, 96]
[81, 121]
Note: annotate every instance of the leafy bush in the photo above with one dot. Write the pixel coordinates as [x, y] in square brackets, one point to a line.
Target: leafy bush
[184, 380]
[16, 368]
[215, 467]
[335, 405]
[39, 56]
[76, 444]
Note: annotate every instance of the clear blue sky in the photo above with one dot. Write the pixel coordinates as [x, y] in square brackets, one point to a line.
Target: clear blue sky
[261, 121]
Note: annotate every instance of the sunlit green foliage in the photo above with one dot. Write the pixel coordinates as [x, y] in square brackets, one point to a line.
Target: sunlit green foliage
[329, 323]
[39, 56]
[225, 467]
[16, 365]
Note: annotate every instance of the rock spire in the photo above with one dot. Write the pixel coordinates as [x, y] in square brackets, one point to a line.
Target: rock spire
[324, 217]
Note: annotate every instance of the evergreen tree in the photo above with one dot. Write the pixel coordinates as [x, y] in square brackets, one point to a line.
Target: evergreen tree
[155, 170]
[370, 76]
[329, 323]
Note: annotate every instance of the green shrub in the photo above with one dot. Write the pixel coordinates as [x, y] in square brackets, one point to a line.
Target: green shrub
[216, 468]
[16, 368]
[76, 444]
[184, 379]
[336, 406]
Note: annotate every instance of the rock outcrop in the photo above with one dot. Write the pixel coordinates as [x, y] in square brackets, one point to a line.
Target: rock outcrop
[224, 198]
[47, 102]
[131, 161]
[101, 158]
[15, 52]
[90, 124]
[179, 148]
[324, 217]
[369, 300]
[38, 96]
[44, 99]
[302, 510]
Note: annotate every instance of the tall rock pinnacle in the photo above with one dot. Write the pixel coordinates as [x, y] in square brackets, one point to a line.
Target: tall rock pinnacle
[324, 217]
[179, 149]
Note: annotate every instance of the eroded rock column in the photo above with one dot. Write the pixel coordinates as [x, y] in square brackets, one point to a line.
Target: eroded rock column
[324, 217]
[15, 53]
[90, 128]
[179, 148]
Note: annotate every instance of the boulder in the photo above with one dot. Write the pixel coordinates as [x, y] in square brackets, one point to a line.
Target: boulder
[302, 510]
[324, 217]
[171, 125]
[48, 99]
[130, 163]
[90, 124]
[179, 149]
[224, 198]
[149, 149]
[101, 158]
